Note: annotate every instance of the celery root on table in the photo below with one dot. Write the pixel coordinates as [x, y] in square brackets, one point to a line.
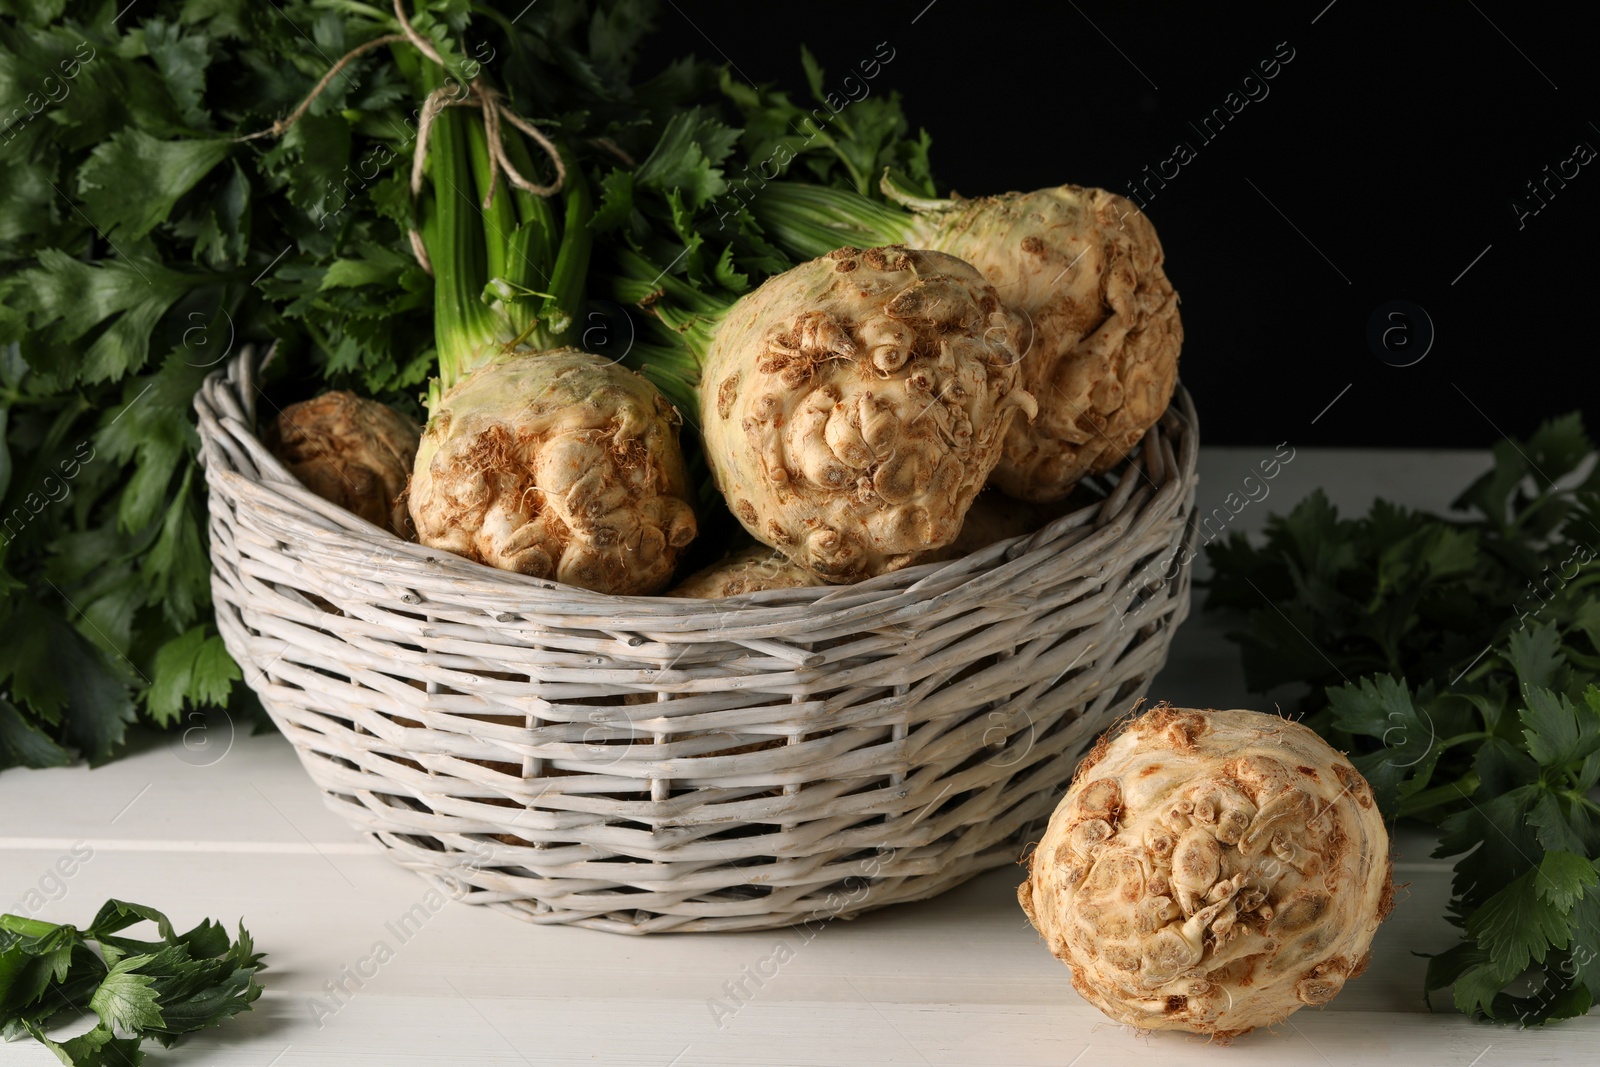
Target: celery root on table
[1211, 871]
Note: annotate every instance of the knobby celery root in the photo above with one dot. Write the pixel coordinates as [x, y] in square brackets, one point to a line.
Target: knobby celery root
[1211, 871]
[853, 406]
[560, 465]
[853, 435]
[747, 571]
[1084, 269]
[352, 451]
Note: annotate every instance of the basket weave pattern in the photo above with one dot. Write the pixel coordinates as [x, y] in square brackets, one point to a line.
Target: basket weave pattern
[645, 764]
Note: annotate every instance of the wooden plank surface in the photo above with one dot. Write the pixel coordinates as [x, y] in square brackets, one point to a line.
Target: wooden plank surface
[232, 828]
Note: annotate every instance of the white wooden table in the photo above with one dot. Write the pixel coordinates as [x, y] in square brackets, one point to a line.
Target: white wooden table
[961, 979]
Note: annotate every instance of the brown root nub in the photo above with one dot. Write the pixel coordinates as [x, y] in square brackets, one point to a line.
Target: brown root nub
[1174, 726]
[1101, 800]
[1351, 779]
[1209, 871]
[354, 452]
[814, 337]
[726, 392]
[1386, 902]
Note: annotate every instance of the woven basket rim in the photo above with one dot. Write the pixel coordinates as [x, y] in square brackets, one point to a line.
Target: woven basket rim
[278, 489]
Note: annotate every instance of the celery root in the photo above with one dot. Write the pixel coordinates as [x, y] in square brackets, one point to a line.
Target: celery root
[560, 465]
[749, 570]
[853, 406]
[1211, 871]
[1084, 269]
[352, 451]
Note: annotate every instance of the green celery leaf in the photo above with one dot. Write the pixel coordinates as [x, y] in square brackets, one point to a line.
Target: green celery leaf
[18, 978]
[1490, 494]
[66, 298]
[62, 677]
[158, 439]
[1558, 997]
[126, 998]
[1563, 879]
[24, 977]
[1491, 834]
[182, 59]
[116, 915]
[192, 668]
[131, 182]
[203, 995]
[314, 157]
[1503, 767]
[616, 202]
[35, 957]
[175, 571]
[97, 1048]
[1584, 920]
[23, 744]
[1446, 967]
[1558, 732]
[686, 158]
[1535, 655]
[99, 707]
[1565, 824]
[727, 275]
[376, 266]
[25, 660]
[1477, 981]
[1518, 926]
[813, 71]
[1558, 447]
[220, 224]
[1382, 708]
[208, 940]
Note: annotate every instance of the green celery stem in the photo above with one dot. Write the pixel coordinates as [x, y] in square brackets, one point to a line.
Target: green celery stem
[813, 220]
[514, 239]
[465, 329]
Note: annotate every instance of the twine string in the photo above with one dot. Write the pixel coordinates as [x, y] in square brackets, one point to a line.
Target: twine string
[490, 101]
[281, 127]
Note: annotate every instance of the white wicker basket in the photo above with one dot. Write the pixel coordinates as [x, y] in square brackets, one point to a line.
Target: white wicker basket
[644, 764]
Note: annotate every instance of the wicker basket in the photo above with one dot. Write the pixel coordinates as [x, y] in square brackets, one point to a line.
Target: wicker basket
[644, 764]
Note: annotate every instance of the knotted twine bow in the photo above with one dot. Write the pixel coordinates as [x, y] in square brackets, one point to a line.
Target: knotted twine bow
[478, 95]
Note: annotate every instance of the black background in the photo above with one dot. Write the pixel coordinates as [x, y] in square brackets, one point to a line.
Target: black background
[1394, 142]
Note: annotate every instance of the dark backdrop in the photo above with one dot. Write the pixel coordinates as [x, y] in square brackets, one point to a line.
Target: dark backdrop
[1385, 161]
